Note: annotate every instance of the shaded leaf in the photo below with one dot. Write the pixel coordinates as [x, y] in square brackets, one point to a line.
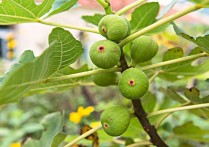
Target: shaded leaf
[201, 41]
[61, 5]
[144, 15]
[58, 139]
[93, 19]
[191, 132]
[182, 70]
[193, 94]
[171, 93]
[63, 50]
[53, 124]
[148, 102]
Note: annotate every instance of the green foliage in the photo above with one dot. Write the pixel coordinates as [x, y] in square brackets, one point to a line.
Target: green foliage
[158, 86]
[17, 11]
[53, 124]
[95, 19]
[25, 77]
[141, 18]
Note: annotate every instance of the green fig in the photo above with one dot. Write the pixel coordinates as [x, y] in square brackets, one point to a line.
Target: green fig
[114, 27]
[104, 79]
[133, 83]
[115, 120]
[105, 54]
[143, 49]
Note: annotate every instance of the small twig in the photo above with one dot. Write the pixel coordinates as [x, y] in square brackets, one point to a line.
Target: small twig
[83, 136]
[154, 76]
[106, 5]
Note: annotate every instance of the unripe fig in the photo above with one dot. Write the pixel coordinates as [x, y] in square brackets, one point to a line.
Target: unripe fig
[114, 27]
[104, 79]
[105, 54]
[115, 120]
[133, 83]
[143, 49]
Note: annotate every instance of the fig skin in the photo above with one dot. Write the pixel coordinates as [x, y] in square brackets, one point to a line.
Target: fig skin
[115, 120]
[105, 79]
[143, 49]
[114, 27]
[105, 54]
[133, 83]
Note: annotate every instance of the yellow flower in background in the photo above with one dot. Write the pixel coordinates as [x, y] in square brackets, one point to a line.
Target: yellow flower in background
[85, 112]
[15, 144]
[95, 124]
[81, 112]
[75, 117]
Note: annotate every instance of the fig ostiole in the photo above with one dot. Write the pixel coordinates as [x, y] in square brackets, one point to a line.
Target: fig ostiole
[105, 79]
[143, 49]
[133, 83]
[114, 27]
[105, 54]
[115, 120]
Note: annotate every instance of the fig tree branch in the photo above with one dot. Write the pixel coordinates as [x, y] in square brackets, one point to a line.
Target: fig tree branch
[130, 6]
[106, 5]
[159, 23]
[86, 29]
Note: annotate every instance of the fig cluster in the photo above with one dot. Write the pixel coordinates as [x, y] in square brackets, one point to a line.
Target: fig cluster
[133, 83]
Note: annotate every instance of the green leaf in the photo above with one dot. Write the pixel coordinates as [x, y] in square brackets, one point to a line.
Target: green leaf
[93, 19]
[189, 131]
[19, 11]
[171, 93]
[144, 15]
[149, 101]
[182, 70]
[53, 124]
[200, 1]
[63, 50]
[201, 41]
[60, 86]
[58, 139]
[61, 5]
[26, 57]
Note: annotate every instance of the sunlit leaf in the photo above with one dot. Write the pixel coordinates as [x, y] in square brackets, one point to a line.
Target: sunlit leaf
[94, 19]
[63, 50]
[61, 5]
[144, 15]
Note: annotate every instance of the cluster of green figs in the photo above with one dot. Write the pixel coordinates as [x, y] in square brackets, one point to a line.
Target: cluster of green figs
[133, 83]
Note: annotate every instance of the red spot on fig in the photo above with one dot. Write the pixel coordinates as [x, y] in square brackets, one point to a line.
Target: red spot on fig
[106, 125]
[131, 82]
[104, 30]
[101, 48]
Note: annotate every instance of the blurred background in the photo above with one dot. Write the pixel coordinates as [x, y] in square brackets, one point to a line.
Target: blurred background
[20, 121]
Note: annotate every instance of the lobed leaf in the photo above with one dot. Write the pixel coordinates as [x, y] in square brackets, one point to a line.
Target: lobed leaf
[201, 41]
[53, 124]
[63, 50]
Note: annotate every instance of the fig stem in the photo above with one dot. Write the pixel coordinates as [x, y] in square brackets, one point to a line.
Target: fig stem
[86, 29]
[83, 136]
[150, 130]
[159, 23]
[187, 58]
[130, 6]
[178, 109]
[154, 76]
[106, 5]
